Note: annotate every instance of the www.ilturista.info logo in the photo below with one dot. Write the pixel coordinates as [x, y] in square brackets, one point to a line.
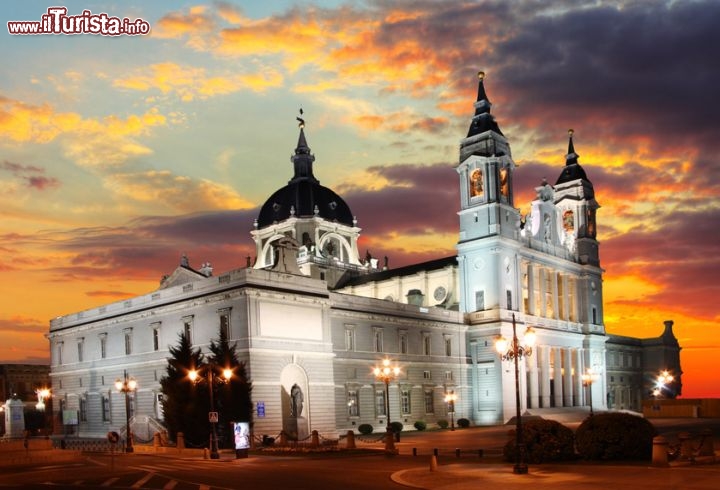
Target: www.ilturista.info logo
[56, 21]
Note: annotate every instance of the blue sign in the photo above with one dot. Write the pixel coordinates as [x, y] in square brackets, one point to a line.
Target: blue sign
[260, 409]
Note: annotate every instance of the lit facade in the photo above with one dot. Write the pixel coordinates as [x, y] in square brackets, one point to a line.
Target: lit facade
[311, 317]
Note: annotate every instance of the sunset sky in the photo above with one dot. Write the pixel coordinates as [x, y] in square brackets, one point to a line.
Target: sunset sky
[120, 153]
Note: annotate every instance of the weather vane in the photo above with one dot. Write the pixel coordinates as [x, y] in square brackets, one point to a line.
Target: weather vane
[301, 120]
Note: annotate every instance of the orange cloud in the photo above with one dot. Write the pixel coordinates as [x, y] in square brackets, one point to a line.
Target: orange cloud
[180, 193]
[190, 82]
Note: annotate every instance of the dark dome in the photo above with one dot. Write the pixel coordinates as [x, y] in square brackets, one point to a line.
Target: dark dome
[304, 196]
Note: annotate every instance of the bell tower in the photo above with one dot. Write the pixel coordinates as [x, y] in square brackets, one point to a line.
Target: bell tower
[487, 215]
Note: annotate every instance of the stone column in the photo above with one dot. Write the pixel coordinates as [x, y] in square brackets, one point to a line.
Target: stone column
[555, 296]
[545, 376]
[543, 292]
[579, 371]
[532, 366]
[568, 378]
[566, 298]
[557, 376]
[531, 288]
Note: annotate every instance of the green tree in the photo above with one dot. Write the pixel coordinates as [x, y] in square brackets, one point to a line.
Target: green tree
[233, 400]
[185, 404]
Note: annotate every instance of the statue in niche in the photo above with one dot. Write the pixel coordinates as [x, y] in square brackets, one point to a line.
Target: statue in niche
[504, 185]
[476, 183]
[296, 401]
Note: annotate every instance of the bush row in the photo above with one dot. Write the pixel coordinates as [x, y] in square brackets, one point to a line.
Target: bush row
[606, 436]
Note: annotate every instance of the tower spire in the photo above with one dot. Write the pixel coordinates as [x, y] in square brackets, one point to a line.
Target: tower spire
[571, 158]
[302, 159]
[482, 121]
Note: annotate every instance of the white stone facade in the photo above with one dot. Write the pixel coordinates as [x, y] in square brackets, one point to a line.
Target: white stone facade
[323, 324]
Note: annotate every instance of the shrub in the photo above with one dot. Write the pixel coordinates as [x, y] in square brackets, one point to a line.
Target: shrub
[365, 429]
[442, 423]
[608, 436]
[420, 425]
[463, 423]
[545, 440]
[396, 427]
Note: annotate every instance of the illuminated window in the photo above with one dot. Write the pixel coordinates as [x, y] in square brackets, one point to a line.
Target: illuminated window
[353, 404]
[429, 402]
[380, 402]
[405, 401]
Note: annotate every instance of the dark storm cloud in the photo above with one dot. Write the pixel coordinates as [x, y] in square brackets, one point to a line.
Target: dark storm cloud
[664, 253]
[417, 200]
[645, 69]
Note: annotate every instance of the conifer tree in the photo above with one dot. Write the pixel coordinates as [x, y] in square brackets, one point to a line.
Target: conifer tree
[233, 398]
[185, 404]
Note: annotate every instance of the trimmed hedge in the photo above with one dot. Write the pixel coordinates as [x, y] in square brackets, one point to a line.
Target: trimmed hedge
[420, 425]
[545, 440]
[365, 429]
[396, 427]
[443, 424]
[463, 423]
[608, 436]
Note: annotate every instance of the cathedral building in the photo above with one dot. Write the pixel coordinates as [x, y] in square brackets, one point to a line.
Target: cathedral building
[312, 317]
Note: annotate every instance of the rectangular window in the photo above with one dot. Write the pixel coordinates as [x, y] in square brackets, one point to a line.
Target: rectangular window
[128, 342]
[429, 402]
[187, 328]
[60, 352]
[448, 376]
[131, 404]
[479, 300]
[509, 300]
[403, 343]
[350, 339]
[378, 339]
[225, 324]
[380, 402]
[103, 346]
[427, 375]
[353, 404]
[83, 409]
[448, 346]
[156, 339]
[106, 408]
[426, 344]
[405, 401]
[80, 349]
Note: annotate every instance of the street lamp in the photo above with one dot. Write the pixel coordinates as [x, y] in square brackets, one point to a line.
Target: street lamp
[212, 416]
[514, 350]
[663, 379]
[42, 395]
[450, 399]
[126, 386]
[385, 373]
[587, 380]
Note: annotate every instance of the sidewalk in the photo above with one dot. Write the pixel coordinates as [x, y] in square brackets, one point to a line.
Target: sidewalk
[571, 476]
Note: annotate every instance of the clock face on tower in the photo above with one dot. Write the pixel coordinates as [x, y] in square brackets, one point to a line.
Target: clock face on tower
[439, 293]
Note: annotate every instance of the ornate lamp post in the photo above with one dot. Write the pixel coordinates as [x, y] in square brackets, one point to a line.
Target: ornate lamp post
[587, 380]
[450, 399]
[513, 350]
[127, 386]
[385, 373]
[194, 376]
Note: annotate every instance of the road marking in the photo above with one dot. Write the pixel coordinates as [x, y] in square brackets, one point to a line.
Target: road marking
[170, 485]
[142, 481]
[109, 482]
